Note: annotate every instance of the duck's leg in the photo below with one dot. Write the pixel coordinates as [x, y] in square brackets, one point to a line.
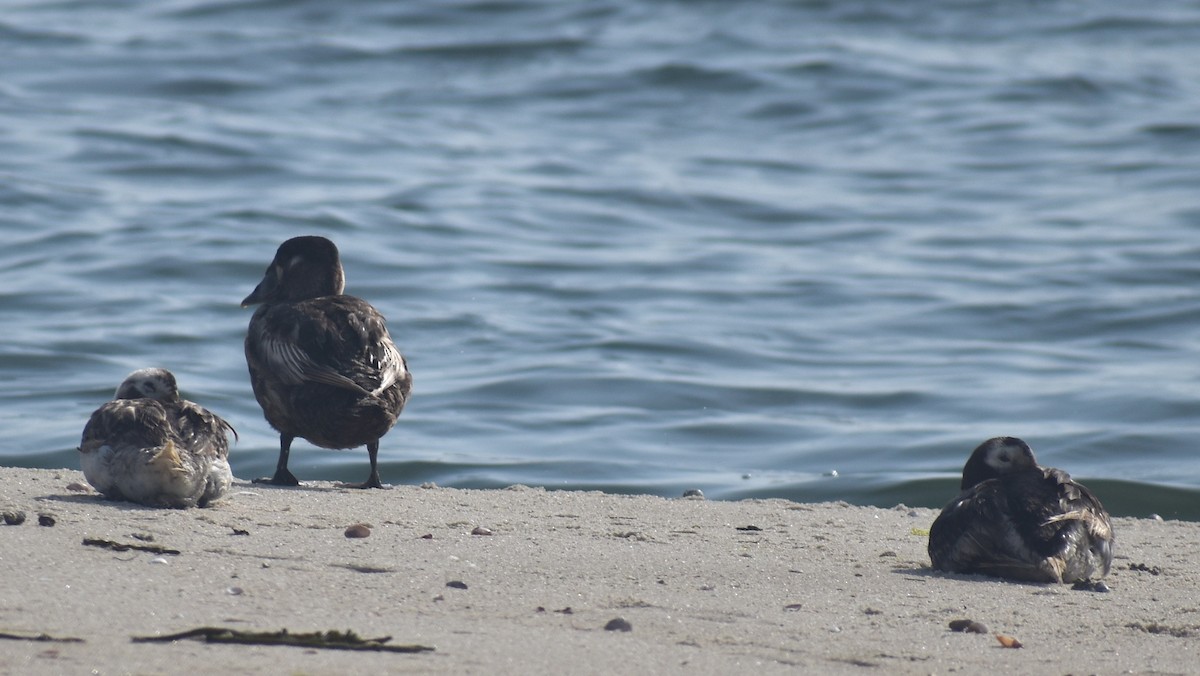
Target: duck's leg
[373, 480]
[282, 477]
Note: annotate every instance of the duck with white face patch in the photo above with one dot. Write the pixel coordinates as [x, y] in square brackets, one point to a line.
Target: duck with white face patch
[1018, 520]
[150, 446]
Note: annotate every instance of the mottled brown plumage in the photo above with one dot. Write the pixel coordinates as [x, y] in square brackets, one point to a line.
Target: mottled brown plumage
[1018, 520]
[152, 447]
[322, 364]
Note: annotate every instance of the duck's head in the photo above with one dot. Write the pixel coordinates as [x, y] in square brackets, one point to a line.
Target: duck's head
[304, 267]
[149, 384]
[997, 457]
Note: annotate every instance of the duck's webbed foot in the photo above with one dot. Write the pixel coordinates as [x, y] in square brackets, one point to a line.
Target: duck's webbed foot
[283, 478]
[372, 482]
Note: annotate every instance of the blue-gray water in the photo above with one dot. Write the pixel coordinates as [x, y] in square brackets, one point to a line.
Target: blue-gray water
[630, 245]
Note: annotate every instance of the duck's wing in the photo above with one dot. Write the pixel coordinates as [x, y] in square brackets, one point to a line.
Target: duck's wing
[294, 346]
[975, 533]
[1067, 505]
[140, 423]
[200, 431]
[381, 360]
[336, 340]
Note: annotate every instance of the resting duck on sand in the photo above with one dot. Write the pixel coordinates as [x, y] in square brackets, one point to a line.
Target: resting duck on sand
[1018, 520]
[150, 446]
[322, 364]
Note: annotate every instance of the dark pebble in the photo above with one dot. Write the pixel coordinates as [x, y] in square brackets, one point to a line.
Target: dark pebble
[618, 624]
[694, 493]
[480, 530]
[456, 584]
[14, 518]
[968, 626]
[358, 530]
[427, 536]
[1089, 585]
[46, 520]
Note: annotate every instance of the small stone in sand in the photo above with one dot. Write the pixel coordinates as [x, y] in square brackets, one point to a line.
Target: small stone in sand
[46, 520]
[456, 584]
[14, 518]
[480, 530]
[694, 493]
[427, 536]
[358, 530]
[618, 624]
[78, 487]
[969, 626]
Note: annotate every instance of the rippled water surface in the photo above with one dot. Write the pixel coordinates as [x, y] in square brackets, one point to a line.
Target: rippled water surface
[813, 250]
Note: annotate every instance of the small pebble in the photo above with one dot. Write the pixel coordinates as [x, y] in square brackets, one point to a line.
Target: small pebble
[14, 518]
[46, 520]
[618, 624]
[456, 584]
[78, 487]
[239, 531]
[159, 560]
[1090, 585]
[968, 626]
[694, 493]
[1156, 517]
[480, 530]
[235, 591]
[358, 530]
[427, 536]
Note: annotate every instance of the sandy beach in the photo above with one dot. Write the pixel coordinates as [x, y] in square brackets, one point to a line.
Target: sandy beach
[525, 580]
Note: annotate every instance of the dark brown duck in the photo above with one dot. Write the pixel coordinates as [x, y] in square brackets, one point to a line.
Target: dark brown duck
[1018, 520]
[322, 364]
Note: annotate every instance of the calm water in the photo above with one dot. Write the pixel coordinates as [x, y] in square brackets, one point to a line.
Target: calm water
[813, 250]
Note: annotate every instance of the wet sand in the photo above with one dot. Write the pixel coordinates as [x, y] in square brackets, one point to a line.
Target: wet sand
[768, 586]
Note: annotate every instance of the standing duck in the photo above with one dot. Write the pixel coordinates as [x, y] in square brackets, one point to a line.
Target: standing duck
[322, 364]
[1018, 520]
[150, 446]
